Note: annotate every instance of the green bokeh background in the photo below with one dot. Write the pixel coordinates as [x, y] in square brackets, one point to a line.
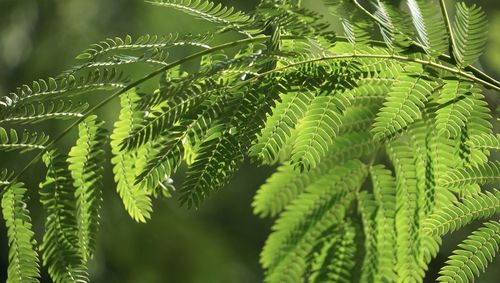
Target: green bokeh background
[218, 243]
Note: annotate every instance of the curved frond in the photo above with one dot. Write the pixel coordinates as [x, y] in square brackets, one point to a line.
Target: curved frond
[322, 206]
[404, 103]
[85, 161]
[23, 257]
[60, 246]
[335, 259]
[11, 140]
[394, 25]
[315, 132]
[136, 200]
[456, 105]
[407, 266]
[367, 208]
[473, 256]
[145, 43]
[384, 192]
[207, 10]
[167, 155]
[460, 213]
[279, 126]
[485, 141]
[64, 87]
[470, 30]
[212, 169]
[165, 115]
[429, 25]
[42, 111]
[285, 185]
[482, 174]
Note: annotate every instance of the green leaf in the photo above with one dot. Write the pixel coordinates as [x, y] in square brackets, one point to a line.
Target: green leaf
[470, 30]
[61, 248]
[136, 199]
[473, 256]
[306, 219]
[215, 164]
[404, 102]
[315, 132]
[429, 26]
[460, 213]
[11, 140]
[86, 161]
[23, 257]
[279, 126]
[481, 174]
[384, 192]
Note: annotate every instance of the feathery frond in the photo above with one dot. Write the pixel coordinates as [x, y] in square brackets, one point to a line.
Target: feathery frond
[429, 26]
[60, 245]
[474, 255]
[327, 110]
[470, 30]
[482, 174]
[23, 256]
[11, 140]
[136, 200]
[460, 213]
[85, 161]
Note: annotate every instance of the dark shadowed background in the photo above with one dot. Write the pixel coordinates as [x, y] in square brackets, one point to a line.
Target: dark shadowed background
[218, 243]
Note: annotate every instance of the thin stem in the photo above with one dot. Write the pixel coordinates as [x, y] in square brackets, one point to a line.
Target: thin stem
[446, 19]
[131, 86]
[444, 57]
[455, 71]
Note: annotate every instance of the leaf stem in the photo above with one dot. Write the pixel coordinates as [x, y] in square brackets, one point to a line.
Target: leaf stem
[444, 57]
[446, 19]
[131, 86]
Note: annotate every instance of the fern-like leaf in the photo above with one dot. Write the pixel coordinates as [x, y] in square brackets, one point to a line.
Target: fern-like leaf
[214, 165]
[474, 255]
[57, 88]
[482, 174]
[280, 124]
[136, 200]
[429, 25]
[456, 105]
[404, 103]
[315, 132]
[86, 165]
[485, 141]
[60, 246]
[207, 10]
[23, 257]
[384, 191]
[460, 213]
[310, 215]
[470, 30]
[11, 140]
[41, 111]
[146, 43]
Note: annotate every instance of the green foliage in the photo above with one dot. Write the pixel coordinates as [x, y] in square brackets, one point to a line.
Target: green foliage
[470, 30]
[429, 25]
[474, 255]
[382, 147]
[85, 161]
[460, 213]
[27, 141]
[125, 166]
[23, 257]
[61, 248]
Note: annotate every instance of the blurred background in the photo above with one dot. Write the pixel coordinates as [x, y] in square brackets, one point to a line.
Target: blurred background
[218, 243]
